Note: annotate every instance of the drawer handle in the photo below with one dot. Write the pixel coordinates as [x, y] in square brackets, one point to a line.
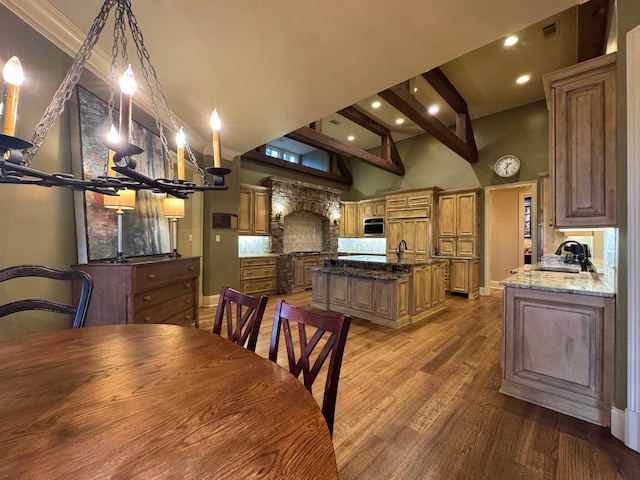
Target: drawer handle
[147, 319]
[146, 298]
[186, 301]
[152, 276]
[187, 317]
[187, 285]
[249, 272]
[192, 268]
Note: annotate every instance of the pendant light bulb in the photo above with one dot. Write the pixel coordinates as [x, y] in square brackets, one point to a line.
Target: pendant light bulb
[12, 72]
[128, 82]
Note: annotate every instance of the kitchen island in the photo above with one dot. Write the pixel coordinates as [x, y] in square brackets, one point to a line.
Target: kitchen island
[558, 334]
[389, 293]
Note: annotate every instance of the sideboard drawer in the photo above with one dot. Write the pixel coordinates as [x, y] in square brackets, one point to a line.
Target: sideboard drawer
[149, 276]
[168, 311]
[159, 295]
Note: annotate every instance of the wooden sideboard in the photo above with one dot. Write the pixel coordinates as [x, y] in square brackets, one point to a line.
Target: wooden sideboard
[144, 290]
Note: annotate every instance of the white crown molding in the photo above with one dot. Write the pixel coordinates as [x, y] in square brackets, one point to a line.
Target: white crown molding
[42, 16]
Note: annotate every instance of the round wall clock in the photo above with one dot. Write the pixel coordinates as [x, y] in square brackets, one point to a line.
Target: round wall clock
[507, 166]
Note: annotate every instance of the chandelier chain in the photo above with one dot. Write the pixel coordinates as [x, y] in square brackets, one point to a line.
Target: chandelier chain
[146, 66]
[63, 94]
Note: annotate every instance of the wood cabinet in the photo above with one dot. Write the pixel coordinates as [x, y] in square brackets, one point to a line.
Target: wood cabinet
[458, 223]
[582, 143]
[302, 273]
[409, 217]
[253, 218]
[381, 301]
[144, 290]
[372, 208]
[258, 275]
[558, 351]
[348, 226]
[464, 276]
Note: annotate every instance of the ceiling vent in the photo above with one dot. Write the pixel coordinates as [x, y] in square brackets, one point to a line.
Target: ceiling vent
[550, 30]
[335, 122]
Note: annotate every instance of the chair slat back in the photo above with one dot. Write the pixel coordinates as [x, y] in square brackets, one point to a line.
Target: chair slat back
[78, 310]
[315, 331]
[242, 315]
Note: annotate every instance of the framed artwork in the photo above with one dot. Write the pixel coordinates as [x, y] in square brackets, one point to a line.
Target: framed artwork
[145, 229]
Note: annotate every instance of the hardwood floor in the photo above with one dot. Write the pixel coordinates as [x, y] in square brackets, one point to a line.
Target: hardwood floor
[423, 403]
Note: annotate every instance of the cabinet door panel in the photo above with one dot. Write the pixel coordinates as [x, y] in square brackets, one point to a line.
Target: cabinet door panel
[394, 235]
[320, 291]
[339, 290]
[466, 215]
[260, 213]
[459, 276]
[447, 246]
[466, 247]
[385, 299]
[362, 293]
[447, 215]
[244, 215]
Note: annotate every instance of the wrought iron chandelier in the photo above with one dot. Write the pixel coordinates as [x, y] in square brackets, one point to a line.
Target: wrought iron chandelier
[16, 154]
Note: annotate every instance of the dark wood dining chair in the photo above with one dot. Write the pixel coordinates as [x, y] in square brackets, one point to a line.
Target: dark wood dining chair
[77, 310]
[309, 363]
[242, 314]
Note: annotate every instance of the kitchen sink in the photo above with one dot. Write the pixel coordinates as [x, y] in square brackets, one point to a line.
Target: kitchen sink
[558, 269]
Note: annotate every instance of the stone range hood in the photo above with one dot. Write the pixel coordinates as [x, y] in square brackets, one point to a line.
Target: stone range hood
[306, 210]
[290, 196]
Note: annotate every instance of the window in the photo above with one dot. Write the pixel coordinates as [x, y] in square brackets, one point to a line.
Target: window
[283, 154]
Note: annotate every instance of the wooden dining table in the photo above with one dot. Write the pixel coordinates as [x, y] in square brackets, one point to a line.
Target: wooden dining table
[153, 402]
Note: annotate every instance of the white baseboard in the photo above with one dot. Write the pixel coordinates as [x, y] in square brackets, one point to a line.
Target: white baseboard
[632, 430]
[618, 420]
[210, 300]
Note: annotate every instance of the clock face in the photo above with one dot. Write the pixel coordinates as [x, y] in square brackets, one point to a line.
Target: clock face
[507, 166]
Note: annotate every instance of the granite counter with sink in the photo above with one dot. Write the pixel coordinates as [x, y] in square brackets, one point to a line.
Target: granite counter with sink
[559, 277]
[558, 337]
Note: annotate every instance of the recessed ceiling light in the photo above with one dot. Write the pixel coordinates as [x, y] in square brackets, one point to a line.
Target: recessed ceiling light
[433, 109]
[510, 41]
[415, 89]
[351, 138]
[376, 104]
[399, 121]
[523, 79]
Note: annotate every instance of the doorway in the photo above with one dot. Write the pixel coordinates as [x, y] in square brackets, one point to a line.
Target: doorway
[511, 233]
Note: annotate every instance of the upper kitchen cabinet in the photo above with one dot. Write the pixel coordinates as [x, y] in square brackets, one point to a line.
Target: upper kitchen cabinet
[253, 218]
[348, 226]
[582, 143]
[372, 208]
[458, 223]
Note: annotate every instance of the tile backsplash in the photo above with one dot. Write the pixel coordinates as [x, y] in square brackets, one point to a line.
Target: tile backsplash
[371, 246]
[253, 245]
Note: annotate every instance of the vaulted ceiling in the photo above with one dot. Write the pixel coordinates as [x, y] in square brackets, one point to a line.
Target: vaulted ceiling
[270, 67]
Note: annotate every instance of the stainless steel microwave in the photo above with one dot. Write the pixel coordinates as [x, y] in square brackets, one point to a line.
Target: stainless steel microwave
[374, 227]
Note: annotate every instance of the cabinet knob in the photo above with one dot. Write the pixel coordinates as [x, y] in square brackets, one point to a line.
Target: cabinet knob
[192, 268]
[187, 285]
[146, 298]
[147, 319]
[187, 317]
[152, 276]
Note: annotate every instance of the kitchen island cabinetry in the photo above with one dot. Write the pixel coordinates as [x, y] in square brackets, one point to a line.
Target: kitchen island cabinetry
[394, 295]
[253, 218]
[558, 334]
[582, 143]
[143, 290]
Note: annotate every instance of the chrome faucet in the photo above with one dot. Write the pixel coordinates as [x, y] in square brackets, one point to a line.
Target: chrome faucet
[578, 251]
[399, 251]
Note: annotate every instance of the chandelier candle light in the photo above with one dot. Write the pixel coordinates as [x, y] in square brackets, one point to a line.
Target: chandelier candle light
[13, 78]
[16, 154]
[181, 141]
[112, 138]
[216, 125]
[173, 209]
[127, 89]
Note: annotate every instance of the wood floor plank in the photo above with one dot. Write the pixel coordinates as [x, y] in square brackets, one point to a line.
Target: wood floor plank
[423, 402]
